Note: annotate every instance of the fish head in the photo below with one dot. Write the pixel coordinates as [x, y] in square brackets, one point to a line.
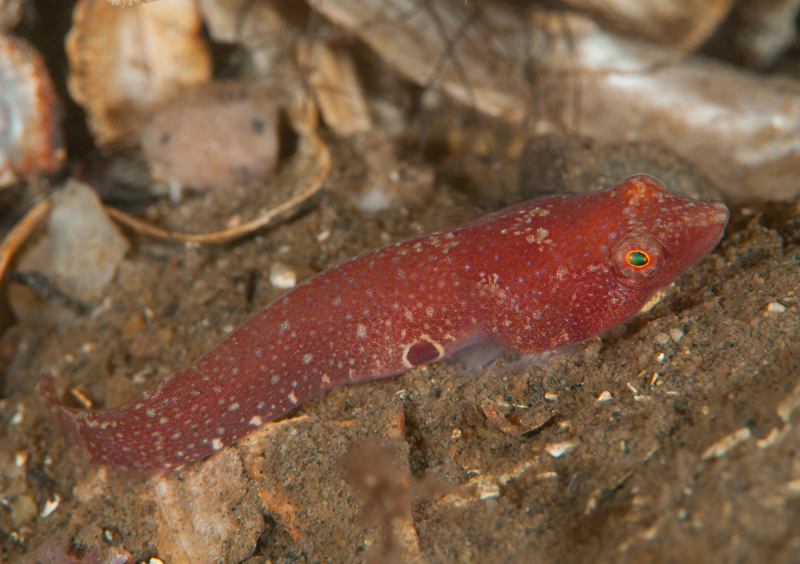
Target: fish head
[658, 234]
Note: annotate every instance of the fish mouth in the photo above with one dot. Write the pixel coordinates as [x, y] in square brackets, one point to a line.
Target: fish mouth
[717, 214]
[708, 232]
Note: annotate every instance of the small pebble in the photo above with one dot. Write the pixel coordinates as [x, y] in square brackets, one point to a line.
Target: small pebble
[662, 338]
[775, 307]
[50, 505]
[557, 450]
[488, 491]
[772, 438]
[650, 533]
[282, 277]
[375, 200]
[722, 446]
[676, 333]
[82, 247]
[18, 416]
[605, 396]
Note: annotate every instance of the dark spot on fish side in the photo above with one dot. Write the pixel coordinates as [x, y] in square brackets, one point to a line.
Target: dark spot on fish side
[422, 352]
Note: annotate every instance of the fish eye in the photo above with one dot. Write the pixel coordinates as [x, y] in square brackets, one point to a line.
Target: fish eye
[638, 258]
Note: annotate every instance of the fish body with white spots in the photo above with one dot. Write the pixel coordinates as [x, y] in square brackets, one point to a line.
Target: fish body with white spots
[535, 277]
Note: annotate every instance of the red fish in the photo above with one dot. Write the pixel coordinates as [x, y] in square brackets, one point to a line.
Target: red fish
[536, 276]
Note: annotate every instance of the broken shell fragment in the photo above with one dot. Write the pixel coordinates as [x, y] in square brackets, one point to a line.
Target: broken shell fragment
[331, 74]
[126, 63]
[299, 180]
[444, 47]
[737, 128]
[124, 3]
[225, 133]
[683, 24]
[10, 14]
[260, 28]
[30, 136]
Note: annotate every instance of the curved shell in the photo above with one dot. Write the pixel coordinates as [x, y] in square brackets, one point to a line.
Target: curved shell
[30, 137]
